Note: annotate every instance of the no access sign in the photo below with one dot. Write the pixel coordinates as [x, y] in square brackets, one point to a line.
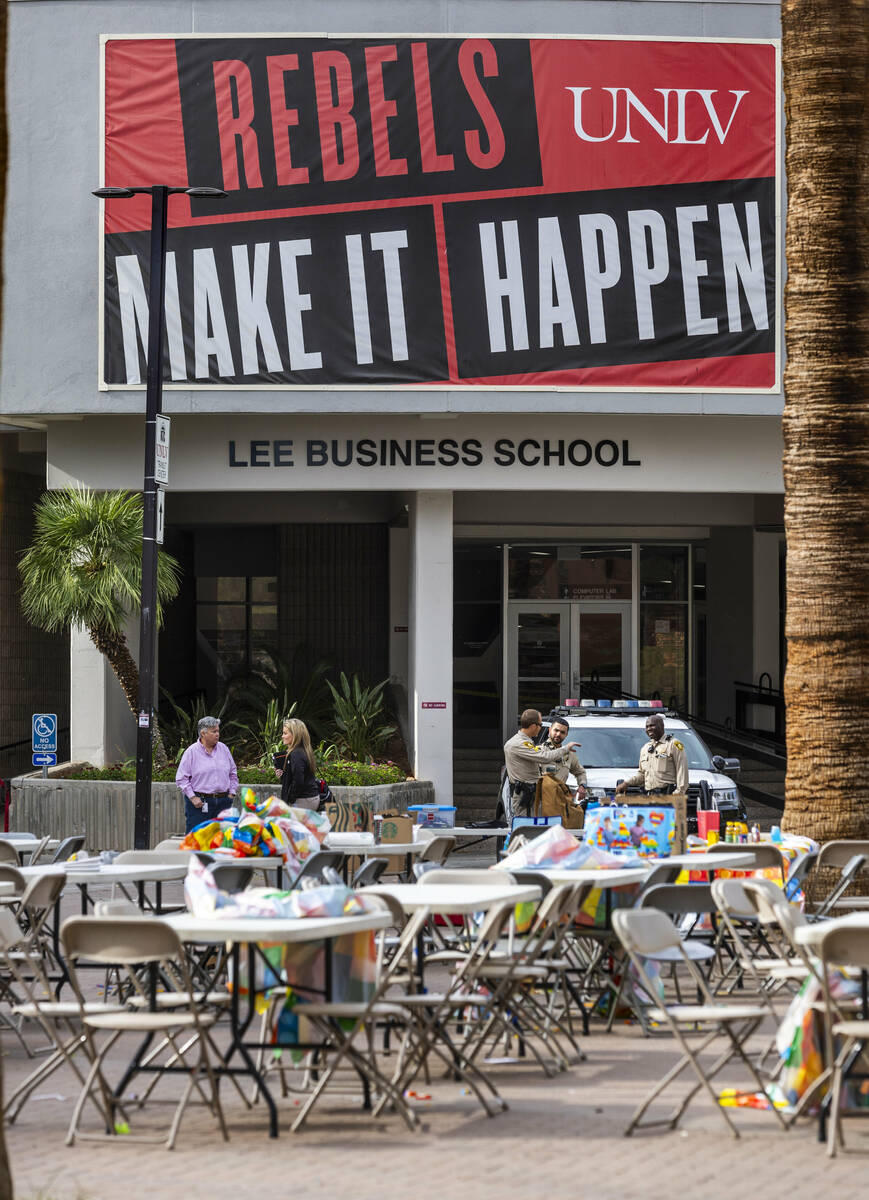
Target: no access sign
[45, 733]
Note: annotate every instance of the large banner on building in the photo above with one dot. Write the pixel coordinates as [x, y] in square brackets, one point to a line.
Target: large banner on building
[461, 211]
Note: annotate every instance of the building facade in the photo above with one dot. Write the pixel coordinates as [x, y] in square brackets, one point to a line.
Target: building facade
[501, 472]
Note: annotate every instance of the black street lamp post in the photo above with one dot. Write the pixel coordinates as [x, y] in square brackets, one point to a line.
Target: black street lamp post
[159, 194]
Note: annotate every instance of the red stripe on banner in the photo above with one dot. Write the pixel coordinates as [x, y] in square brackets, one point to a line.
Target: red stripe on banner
[732, 372]
[634, 113]
[224, 218]
[144, 130]
[446, 298]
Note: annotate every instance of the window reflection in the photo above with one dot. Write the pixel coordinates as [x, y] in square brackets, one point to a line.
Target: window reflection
[570, 572]
[236, 623]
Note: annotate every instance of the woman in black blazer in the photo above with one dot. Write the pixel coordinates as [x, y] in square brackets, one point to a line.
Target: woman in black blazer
[299, 785]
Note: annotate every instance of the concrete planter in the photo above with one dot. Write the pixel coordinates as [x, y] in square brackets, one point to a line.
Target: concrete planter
[103, 810]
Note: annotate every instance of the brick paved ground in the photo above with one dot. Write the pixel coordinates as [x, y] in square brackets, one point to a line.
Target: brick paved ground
[561, 1138]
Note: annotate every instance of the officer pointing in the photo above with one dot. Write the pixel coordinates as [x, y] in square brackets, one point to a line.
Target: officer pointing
[663, 766]
[524, 759]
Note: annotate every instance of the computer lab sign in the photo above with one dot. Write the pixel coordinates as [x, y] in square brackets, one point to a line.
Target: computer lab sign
[456, 211]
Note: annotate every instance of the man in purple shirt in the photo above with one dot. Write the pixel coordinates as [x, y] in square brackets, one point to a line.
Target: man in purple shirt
[206, 775]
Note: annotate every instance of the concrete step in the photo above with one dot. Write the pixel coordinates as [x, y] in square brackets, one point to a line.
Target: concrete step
[463, 753]
[465, 815]
[471, 770]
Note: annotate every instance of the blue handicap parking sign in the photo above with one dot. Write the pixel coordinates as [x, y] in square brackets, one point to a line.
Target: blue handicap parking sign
[44, 733]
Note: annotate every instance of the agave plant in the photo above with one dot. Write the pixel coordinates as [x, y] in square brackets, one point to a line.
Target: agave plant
[294, 688]
[262, 738]
[180, 725]
[361, 729]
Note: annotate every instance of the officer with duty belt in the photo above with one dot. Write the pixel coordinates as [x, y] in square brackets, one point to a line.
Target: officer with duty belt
[663, 765]
[525, 760]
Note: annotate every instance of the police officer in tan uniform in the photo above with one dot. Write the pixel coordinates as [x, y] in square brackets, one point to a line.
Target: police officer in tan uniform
[558, 731]
[663, 765]
[525, 760]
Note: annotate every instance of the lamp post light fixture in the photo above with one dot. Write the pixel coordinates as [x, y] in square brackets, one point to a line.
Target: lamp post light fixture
[159, 194]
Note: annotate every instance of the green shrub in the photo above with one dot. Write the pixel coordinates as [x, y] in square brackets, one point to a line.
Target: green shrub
[337, 771]
[360, 717]
[122, 771]
[359, 774]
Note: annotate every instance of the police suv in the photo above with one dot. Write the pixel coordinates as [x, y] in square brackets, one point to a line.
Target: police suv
[612, 734]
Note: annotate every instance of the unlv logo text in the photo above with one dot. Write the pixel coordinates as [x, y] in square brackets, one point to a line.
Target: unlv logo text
[670, 119]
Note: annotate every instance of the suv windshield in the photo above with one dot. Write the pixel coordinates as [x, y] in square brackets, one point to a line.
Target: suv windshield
[611, 747]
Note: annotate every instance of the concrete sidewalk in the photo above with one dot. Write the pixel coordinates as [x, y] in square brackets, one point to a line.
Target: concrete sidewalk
[561, 1138]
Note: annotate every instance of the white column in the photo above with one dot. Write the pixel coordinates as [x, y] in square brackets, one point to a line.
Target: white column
[430, 638]
[398, 624]
[101, 726]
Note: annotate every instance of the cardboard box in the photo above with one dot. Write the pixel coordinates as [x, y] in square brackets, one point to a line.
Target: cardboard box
[348, 816]
[396, 827]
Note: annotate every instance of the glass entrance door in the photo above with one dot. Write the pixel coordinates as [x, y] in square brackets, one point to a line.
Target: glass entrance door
[600, 650]
[555, 650]
[538, 657]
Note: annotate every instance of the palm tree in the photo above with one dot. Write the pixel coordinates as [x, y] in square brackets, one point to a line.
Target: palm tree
[5, 1173]
[825, 50]
[84, 567]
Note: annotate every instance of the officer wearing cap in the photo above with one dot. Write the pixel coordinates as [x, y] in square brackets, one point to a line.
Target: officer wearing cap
[525, 760]
[663, 765]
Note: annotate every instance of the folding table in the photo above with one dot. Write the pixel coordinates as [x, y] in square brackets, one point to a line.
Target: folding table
[25, 843]
[248, 932]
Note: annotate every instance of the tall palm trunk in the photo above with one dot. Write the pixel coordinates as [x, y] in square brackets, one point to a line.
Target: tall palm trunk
[825, 50]
[114, 647]
[5, 1174]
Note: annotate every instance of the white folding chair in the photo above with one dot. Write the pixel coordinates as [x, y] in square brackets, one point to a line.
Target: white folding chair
[646, 933]
[60, 1021]
[846, 1040]
[147, 950]
[340, 1022]
[466, 1003]
[526, 978]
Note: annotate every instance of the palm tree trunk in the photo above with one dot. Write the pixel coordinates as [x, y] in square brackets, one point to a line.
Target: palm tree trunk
[5, 1174]
[114, 647]
[825, 48]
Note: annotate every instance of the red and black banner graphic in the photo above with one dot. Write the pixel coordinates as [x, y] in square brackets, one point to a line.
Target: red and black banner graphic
[452, 211]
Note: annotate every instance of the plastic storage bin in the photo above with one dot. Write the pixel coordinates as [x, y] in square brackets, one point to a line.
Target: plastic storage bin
[435, 816]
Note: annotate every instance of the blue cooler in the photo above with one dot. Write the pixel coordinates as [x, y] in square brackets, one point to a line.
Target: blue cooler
[434, 816]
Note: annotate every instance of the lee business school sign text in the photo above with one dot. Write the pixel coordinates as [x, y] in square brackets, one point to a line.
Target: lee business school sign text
[560, 450]
[430, 452]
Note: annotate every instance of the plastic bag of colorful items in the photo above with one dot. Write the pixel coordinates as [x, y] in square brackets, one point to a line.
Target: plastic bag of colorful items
[265, 828]
[557, 847]
[205, 899]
